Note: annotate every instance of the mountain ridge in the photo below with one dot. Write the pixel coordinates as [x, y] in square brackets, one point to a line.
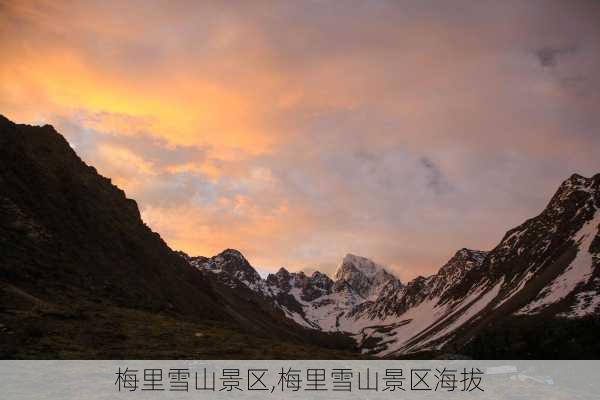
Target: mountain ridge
[444, 311]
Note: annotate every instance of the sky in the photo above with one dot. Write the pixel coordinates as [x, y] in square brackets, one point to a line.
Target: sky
[297, 132]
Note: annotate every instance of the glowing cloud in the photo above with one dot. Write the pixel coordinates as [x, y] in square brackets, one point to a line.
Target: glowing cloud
[299, 131]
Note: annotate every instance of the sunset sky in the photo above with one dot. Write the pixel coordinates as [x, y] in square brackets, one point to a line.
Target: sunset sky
[299, 131]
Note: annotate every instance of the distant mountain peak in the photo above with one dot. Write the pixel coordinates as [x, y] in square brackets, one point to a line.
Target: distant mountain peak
[362, 274]
[232, 253]
[357, 264]
[580, 180]
[235, 264]
[573, 186]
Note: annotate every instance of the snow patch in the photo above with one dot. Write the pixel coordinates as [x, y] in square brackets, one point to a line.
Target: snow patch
[579, 271]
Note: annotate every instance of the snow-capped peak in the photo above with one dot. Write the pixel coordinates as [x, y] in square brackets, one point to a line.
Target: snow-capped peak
[362, 274]
[353, 263]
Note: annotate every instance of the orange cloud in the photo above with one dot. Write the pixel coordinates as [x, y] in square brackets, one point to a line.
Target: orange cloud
[183, 113]
[299, 131]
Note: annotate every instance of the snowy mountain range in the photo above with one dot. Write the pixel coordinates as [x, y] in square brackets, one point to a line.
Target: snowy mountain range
[545, 268]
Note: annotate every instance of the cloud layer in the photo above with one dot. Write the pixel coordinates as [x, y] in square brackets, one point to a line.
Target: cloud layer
[300, 131]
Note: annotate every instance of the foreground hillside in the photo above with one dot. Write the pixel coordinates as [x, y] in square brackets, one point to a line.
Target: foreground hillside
[36, 329]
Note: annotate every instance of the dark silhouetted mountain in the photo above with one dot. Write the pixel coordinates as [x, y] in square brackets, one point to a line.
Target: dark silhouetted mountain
[74, 248]
[64, 228]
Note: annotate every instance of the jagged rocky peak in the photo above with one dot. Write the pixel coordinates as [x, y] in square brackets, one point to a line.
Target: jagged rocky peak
[321, 280]
[232, 253]
[362, 274]
[311, 287]
[578, 182]
[576, 190]
[315, 286]
[233, 263]
[281, 280]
